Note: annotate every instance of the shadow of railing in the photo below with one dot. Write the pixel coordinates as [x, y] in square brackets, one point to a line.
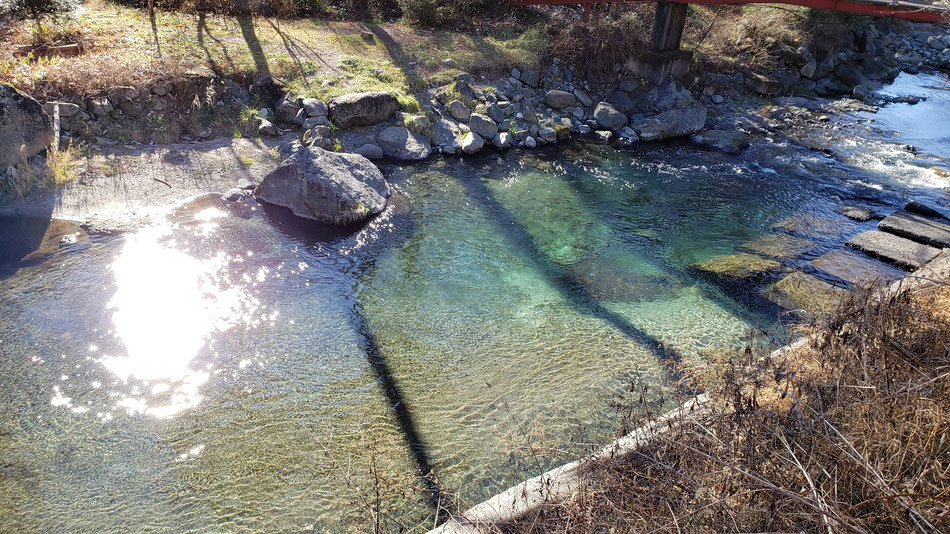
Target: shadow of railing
[434, 491]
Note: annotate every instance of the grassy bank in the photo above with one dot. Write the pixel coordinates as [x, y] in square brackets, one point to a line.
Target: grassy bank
[313, 57]
[850, 433]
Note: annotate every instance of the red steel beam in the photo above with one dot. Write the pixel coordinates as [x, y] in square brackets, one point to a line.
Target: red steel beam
[915, 12]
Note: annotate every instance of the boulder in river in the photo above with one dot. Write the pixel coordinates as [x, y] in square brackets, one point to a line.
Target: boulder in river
[472, 143]
[557, 99]
[739, 266]
[399, 143]
[25, 129]
[326, 186]
[482, 125]
[458, 110]
[726, 141]
[608, 117]
[362, 109]
[673, 123]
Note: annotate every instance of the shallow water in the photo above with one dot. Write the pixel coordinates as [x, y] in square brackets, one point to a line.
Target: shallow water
[229, 369]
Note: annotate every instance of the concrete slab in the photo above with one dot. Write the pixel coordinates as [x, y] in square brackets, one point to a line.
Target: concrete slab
[855, 268]
[894, 249]
[920, 228]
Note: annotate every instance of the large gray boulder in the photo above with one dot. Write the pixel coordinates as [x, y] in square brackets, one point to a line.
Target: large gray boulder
[622, 102]
[608, 117]
[445, 134]
[530, 78]
[673, 123]
[25, 129]
[325, 186]
[401, 144]
[362, 109]
[482, 125]
[557, 99]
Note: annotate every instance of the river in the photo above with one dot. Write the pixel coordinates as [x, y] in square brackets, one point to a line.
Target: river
[231, 369]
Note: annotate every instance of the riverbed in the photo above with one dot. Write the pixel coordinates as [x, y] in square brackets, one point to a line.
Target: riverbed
[230, 368]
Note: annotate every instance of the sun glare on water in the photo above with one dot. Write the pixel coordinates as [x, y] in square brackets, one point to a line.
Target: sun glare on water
[167, 305]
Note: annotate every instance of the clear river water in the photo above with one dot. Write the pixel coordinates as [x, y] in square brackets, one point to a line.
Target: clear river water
[230, 369]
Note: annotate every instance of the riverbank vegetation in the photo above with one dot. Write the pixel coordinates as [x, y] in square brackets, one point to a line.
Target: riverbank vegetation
[326, 48]
[848, 433]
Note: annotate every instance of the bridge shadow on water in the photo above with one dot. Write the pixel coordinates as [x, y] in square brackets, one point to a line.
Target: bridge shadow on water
[572, 288]
[433, 490]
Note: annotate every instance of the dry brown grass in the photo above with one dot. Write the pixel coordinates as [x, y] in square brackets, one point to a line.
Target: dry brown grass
[849, 434]
[123, 48]
[728, 38]
[723, 38]
[59, 170]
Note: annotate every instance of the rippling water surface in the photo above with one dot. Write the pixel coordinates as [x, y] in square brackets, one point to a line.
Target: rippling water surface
[230, 369]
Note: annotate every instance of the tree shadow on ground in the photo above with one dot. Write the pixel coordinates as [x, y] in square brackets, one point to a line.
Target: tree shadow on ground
[246, 22]
[202, 30]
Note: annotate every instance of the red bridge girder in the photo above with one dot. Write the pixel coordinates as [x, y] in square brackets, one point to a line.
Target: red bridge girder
[882, 8]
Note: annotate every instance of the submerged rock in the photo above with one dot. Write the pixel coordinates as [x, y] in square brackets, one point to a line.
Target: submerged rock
[326, 186]
[779, 246]
[25, 129]
[740, 266]
[726, 141]
[805, 294]
[856, 213]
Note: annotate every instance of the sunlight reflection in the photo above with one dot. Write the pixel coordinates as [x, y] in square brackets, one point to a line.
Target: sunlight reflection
[166, 307]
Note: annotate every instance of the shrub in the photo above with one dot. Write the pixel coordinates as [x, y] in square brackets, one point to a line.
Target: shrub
[445, 12]
[36, 9]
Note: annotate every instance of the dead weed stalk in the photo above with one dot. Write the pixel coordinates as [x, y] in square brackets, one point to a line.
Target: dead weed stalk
[850, 432]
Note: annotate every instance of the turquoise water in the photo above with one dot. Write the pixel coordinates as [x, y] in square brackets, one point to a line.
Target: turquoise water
[232, 369]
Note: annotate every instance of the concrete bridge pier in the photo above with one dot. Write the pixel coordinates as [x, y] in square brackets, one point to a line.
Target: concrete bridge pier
[665, 58]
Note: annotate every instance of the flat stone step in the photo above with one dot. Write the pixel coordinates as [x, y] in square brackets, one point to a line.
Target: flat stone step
[804, 294]
[924, 209]
[855, 268]
[894, 249]
[918, 227]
